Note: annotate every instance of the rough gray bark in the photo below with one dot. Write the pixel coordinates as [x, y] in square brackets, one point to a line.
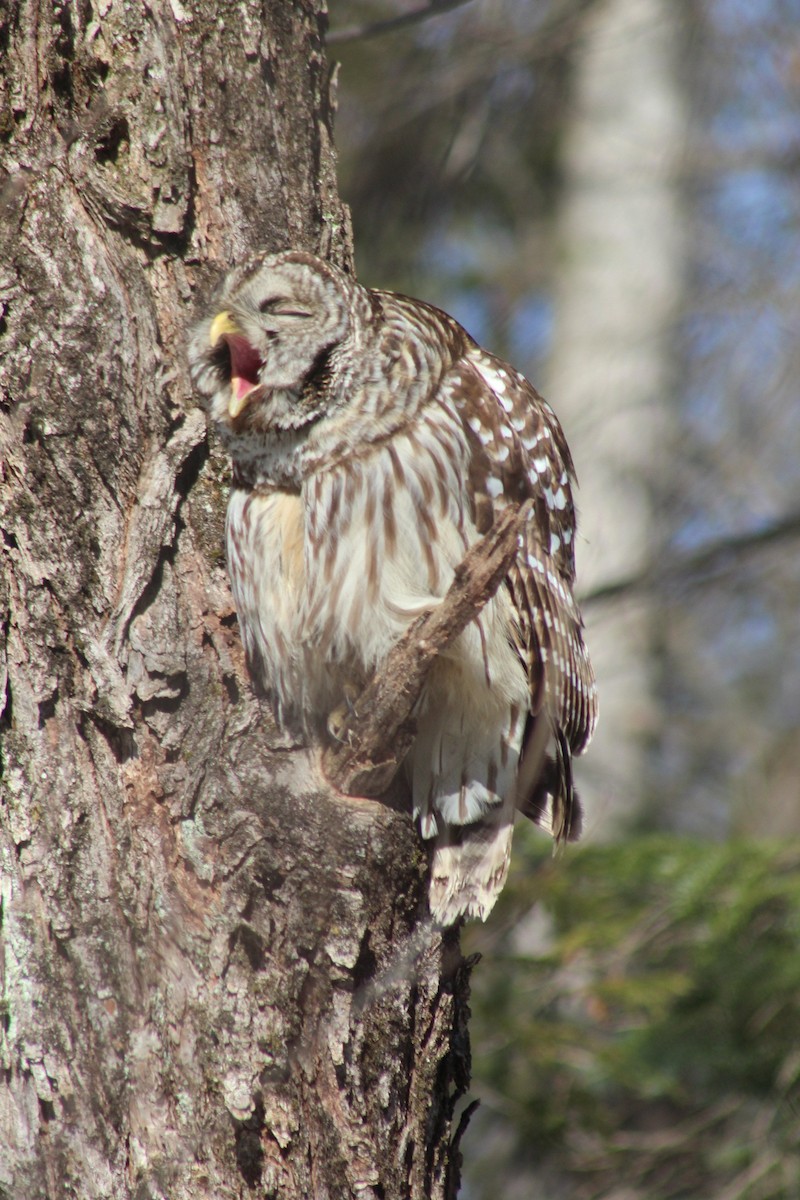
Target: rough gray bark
[217, 978]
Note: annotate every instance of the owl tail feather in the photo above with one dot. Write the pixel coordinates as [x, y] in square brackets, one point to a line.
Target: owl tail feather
[552, 802]
[470, 865]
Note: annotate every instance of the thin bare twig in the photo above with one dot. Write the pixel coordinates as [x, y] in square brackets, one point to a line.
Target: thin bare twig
[695, 568]
[381, 729]
[355, 33]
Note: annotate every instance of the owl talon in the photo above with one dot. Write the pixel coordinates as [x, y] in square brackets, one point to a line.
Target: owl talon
[340, 717]
[337, 722]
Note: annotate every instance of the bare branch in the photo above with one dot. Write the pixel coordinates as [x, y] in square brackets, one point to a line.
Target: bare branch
[381, 728]
[355, 33]
[700, 566]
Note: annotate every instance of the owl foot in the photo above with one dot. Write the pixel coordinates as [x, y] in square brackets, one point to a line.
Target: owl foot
[340, 717]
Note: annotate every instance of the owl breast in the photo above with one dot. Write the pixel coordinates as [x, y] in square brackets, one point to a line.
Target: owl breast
[326, 580]
[266, 560]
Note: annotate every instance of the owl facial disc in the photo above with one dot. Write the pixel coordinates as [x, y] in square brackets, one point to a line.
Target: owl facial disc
[245, 361]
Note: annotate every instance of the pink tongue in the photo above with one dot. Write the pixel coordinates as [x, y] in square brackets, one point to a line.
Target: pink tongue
[245, 363]
[241, 386]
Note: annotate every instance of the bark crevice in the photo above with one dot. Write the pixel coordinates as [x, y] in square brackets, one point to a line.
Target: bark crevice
[211, 961]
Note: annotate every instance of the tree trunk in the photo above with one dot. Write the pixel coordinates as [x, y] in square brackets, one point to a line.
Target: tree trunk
[620, 277]
[217, 974]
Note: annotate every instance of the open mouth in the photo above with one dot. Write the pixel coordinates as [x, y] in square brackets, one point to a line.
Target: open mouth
[246, 363]
[238, 359]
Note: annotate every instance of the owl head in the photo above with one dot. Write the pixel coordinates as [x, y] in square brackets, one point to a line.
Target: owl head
[275, 322]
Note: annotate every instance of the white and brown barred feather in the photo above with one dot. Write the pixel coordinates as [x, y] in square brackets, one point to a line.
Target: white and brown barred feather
[359, 483]
[519, 454]
[526, 458]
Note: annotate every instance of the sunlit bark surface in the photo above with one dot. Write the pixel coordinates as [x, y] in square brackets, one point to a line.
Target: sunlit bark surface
[216, 976]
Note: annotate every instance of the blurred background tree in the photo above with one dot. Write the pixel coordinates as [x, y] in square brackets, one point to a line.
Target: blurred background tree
[606, 193]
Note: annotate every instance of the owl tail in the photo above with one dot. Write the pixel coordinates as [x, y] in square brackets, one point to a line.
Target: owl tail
[545, 790]
[470, 865]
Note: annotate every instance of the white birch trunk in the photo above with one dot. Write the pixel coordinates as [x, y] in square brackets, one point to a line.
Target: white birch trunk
[620, 275]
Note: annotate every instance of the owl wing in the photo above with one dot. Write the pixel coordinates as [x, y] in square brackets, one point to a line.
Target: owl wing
[519, 455]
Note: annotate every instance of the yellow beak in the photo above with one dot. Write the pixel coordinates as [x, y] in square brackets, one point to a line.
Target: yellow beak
[221, 325]
[240, 388]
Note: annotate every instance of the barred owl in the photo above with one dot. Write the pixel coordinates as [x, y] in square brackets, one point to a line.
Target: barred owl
[373, 442]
